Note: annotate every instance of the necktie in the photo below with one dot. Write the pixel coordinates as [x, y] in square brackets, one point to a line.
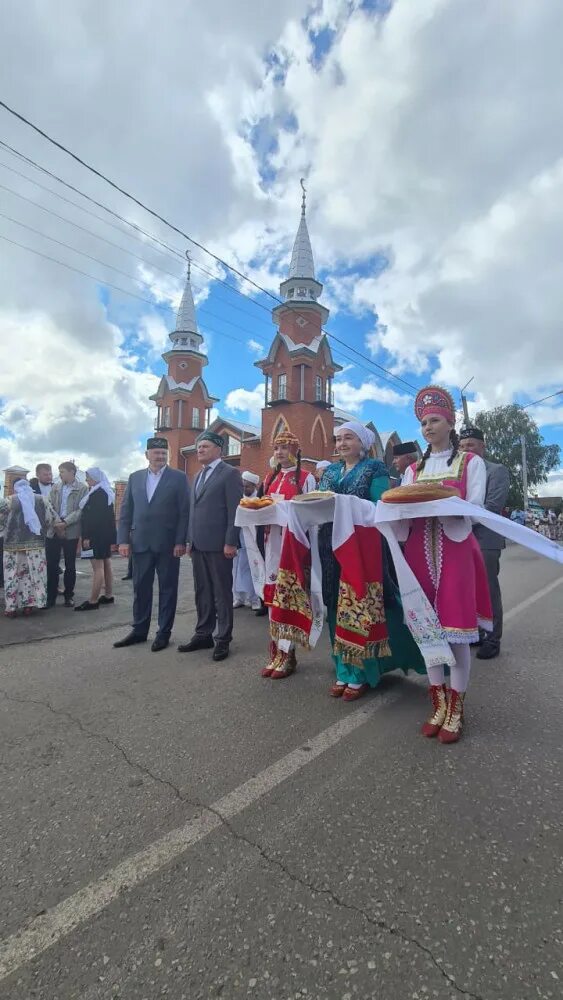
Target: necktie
[201, 482]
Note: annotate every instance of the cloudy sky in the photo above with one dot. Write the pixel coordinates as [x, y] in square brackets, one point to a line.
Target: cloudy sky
[430, 137]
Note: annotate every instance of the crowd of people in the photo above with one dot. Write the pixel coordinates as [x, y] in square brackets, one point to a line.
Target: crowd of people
[164, 516]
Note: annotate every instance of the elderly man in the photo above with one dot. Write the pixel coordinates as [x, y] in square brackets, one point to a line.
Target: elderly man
[212, 543]
[244, 594]
[153, 524]
[498, 482]
[404, 454]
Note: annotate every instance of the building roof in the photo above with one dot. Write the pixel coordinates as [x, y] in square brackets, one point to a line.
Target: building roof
[169, 383]
[250, 429]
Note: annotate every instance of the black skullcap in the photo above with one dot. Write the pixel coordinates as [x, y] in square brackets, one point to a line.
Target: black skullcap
[471, 432]
[213, 437]
[406, 448]
[157, 443]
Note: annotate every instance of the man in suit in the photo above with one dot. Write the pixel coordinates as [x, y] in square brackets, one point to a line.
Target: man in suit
[404, 454]
[153, 523]
[42, 482]
[212, 543]
[498, 483]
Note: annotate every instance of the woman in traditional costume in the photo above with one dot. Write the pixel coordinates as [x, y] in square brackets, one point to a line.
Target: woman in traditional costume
[287, 480]
[24, 520]
[445, 557]
[357, 474]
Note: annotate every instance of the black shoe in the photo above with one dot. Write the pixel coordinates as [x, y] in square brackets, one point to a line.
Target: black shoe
[260, 612]
[130, 640]
[51, 604]
[196, 642]
[69, 602]
[221, 651]
[126, 577]
[86, 606]
[106, 600]
[159, 642]
[487, 651]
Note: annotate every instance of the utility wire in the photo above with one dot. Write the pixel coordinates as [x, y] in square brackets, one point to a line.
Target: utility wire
[165, 221]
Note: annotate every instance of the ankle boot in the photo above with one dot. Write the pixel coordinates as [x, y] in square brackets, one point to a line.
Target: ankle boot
[453, 725]
[273, 652]
[435, 721]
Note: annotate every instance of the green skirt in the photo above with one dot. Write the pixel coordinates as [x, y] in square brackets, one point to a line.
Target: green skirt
[405, 654]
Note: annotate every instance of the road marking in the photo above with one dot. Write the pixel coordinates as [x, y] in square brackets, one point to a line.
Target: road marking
[532, 600]
[46, 930]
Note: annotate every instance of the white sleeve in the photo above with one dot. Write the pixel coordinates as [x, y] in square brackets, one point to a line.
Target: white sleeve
[310, 484]
[408, 476]
[476, 481]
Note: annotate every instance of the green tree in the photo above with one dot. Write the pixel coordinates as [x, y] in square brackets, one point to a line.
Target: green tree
[503, 428]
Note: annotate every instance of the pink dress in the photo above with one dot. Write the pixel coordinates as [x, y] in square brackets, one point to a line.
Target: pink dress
[445, 556]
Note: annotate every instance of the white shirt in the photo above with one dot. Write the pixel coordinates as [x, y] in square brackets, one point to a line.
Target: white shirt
[436, 466]
[206, 471]
[67, 487]
[45, 489]
[153, 479]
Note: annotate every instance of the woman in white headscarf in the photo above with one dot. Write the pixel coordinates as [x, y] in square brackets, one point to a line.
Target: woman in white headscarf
[24, 519]
[358, 474]
[98, 536]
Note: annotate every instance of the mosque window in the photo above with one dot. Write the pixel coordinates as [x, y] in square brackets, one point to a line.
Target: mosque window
[195, 417]
[318, 388]
[282, 386]
[233, 446]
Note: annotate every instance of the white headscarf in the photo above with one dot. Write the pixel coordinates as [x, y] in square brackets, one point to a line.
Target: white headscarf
[26, 497]
[323, 464]
[366, 436]
[102, 483]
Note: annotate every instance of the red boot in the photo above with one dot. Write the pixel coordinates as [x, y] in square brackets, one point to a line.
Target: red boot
[453, 725]
[433, 724]
[285, 665]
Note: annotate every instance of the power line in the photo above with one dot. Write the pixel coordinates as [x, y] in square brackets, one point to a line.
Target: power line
[170, 225]
[543, 399]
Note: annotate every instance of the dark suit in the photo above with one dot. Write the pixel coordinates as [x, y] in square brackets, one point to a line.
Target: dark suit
[153, 528]
[498, 483]
[211, 527]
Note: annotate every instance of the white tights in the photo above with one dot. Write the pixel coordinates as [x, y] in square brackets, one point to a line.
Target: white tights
[459, 673]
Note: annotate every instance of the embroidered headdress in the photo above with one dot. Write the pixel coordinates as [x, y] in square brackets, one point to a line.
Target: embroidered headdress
[434, 399]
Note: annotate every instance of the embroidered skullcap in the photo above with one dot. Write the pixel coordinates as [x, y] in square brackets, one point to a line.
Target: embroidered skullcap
[434, 399]
[250, 477]
[366, 436]
[157, 443]
[471, 432]
[406, 448]
[213, 437]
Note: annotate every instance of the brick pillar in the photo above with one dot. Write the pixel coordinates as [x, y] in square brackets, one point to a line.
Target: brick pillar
[119, 486]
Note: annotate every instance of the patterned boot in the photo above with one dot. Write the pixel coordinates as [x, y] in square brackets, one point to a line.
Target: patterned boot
[452, 727]
[273, 652]
[433, 724]
[285, 665]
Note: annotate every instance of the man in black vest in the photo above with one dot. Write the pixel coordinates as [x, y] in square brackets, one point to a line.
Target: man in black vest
[153, 523]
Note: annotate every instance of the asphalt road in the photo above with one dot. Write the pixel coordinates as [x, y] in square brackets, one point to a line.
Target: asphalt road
[172, 827]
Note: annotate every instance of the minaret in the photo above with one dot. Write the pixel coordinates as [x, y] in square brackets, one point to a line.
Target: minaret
[299, 367]
[182, 400]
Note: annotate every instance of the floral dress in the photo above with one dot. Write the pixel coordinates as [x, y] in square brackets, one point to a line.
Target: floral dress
[25, 566]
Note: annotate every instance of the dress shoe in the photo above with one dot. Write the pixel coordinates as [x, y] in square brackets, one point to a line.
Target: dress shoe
[260, 612]
[106, 600]
[487, 651]
[196, 642]
[126, 577]
[86, 606]
[159, 642]
[69, 602]
[221, 651]
[130, 640]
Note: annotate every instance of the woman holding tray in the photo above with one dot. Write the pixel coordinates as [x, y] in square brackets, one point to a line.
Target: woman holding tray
[445, 557]
[357, 474]
[287, 480]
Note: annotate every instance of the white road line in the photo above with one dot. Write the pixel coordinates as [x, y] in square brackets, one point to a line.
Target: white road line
[532, 600]
[46, 930]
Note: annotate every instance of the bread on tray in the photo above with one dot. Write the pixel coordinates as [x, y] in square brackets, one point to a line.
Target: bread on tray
[419, 493]
[314, 495]
[255, 503]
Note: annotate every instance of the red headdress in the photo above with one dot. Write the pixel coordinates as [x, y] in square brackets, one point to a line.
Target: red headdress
[434, 399]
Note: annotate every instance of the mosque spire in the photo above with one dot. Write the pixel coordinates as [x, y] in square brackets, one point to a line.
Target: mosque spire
[302, 263]
[186, 321]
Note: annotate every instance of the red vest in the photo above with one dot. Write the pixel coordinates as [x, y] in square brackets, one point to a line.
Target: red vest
[286, 483]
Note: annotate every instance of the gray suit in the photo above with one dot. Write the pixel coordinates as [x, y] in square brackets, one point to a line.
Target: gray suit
[498, 483]
[153, 528]
[211, 527]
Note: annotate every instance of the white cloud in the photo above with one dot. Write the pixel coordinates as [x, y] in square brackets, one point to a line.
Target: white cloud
[255, 348]
[249, 402]
[554, 485]
[352, 397]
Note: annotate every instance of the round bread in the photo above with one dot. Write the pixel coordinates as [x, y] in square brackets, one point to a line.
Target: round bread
[419, 493]
[314, 495]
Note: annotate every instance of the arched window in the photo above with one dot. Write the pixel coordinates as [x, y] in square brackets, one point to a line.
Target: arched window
[280, 426]
[318, 388]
